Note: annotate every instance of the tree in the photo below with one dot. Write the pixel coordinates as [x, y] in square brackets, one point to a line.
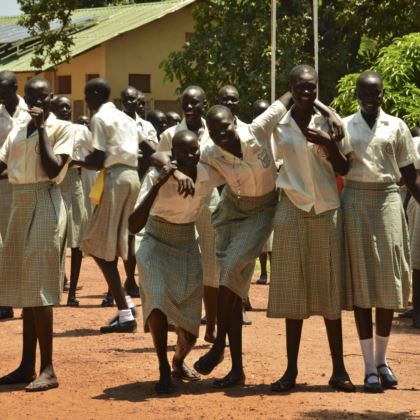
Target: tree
[231, 42]
[399, 65]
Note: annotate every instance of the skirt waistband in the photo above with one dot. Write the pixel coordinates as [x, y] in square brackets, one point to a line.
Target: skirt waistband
[372, 186]
[40, 186]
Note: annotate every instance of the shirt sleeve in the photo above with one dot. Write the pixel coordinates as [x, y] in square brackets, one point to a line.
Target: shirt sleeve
[4, 150]
[98, 129]
[405, 153]
[165, 144]
[147, 184]
[64, 140]
[344, 145]
[152, 137]
[263, 126]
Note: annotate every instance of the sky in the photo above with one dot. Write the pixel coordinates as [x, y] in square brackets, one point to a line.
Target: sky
[9, 8]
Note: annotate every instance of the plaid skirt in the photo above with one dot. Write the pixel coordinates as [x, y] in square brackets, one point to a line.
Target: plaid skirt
[5, 205]
[376, 244]
[171, 277]
[243, 225]
[33, 253]
[413, 213]
[207, 241]
[72, 192]
[106, 233]
[307, 264]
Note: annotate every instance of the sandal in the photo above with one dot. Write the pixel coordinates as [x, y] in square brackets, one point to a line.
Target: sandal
[283, 385]
[372, 387]
[341, 384]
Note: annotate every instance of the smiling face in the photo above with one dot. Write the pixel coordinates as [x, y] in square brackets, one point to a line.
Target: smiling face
[62, 108]
[221, 126]
[229, 97]
[185, 149]
[193, 104]
[129, 100]
[370, 93]
[38, 94]
[304, 89]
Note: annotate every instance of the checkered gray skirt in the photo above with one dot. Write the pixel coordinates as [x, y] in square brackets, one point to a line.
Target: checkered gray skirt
[33, 254]
[207, 241]
[171, 277]
[5, 205]
[106, 233]
[72, 192]
[307, 264]
[413, 213]
[243, 225]
[377, 245]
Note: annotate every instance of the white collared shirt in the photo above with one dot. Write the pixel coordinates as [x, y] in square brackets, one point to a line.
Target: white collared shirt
[165, 144]
[307, 176]
[254, 174]
[378, 153]
[172, 206]
[116, 134]
[147, 132]
[21, 153]
[21, 116]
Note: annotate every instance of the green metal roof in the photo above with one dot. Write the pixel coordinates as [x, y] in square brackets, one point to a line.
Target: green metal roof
[109, 23]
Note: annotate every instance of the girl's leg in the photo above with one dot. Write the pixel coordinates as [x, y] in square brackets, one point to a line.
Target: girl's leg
[184, 344]
[263, 264]
[236, 376]
[293, 336]
[130, 269]
[158, 324]
[210, 305]
[43, 317]
[340, 379]
[76, 263]
[26, 371]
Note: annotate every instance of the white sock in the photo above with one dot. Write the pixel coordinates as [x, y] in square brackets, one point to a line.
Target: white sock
[369, 359]
[125, 315]
[381, 344]
[129, 301]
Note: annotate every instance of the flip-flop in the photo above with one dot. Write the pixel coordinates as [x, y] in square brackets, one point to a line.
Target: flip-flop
[41, 385]
[9, 380]
[186, 374]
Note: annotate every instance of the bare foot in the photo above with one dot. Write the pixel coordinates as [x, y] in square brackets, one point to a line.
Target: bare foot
[183, 372]
[18, 376]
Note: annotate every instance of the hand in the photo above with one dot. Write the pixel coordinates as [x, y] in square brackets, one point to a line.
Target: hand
[319, 137]
[336, 127]
[186, 185]
[37, 115]
[164, 175]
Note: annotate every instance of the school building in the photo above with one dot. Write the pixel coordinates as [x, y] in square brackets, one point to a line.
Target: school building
[123, 44]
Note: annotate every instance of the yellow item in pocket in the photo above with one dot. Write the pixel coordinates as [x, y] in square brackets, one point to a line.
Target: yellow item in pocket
[98, 188]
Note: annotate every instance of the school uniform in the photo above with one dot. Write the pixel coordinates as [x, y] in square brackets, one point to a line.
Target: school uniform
[21, 116]
[167, 252]
[377, 245]
[206, 232]
[73, 194]
[33, 255]
[307, 272]
[116, 134]
[147, 132]
[243, 217]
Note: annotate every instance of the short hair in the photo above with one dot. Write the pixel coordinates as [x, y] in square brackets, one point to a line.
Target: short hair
[298, 70]
[98, 86]
[9, 77]
[227, 87]
[368, 74]
[415, 132]
[217, 109]
[181, 135]
[127, 89]
[34, 80]
[194, 87]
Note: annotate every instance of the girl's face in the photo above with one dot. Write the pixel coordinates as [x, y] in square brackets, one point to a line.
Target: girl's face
[222, 129]
[38, 94]
[304, 90]
[370, 94]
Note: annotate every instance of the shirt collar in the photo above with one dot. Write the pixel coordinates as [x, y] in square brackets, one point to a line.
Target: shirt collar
[381, 120]
[107, 105]
[317, 117]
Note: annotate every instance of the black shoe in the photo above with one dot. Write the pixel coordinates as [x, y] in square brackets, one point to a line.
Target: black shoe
[372, 388]
[229, 381]
[388, 380]
[247, 304]
[6, 312]
[406, 314]
[262, 280]
[120, 327]
[132, 290]
[203, 320]
[342, 383]
[107, 302]
[115, 319]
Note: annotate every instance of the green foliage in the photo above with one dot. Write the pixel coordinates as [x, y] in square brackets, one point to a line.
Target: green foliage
[399, 65]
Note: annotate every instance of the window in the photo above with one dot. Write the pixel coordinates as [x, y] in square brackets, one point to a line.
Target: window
[140, 82]
[63, 84]
[91, 76]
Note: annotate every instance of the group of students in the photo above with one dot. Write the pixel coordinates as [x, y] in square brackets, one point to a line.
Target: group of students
[199, 218]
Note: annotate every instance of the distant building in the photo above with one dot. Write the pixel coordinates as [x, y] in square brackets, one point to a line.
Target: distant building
[123, 44]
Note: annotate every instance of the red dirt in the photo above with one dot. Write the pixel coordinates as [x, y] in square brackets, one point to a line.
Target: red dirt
[112, 376]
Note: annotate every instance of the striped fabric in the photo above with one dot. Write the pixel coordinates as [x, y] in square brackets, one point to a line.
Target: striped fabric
[33, 255]
[243, 225]
[5, 205]
[377, 245]
[171, 277]
[413, 213]
[106, 233]
[72, 192]
[307, 264]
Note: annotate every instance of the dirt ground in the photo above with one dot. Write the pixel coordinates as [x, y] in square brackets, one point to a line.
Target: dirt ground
[112, 376]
